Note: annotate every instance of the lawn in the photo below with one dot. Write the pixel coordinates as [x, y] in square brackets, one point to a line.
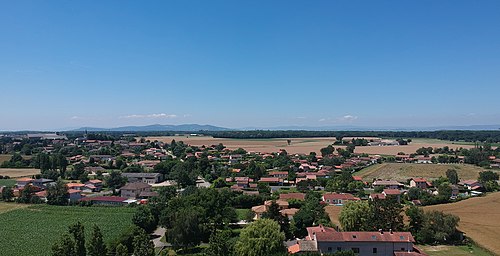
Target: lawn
[405, 171]
[32, 230]
[446, 250]
[7, 182]
[242, 213]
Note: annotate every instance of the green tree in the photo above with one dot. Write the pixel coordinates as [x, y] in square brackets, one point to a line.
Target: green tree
[65, 247]
[115, 180]
[355, 216]
[438, 227]
[416, 219]
[487, 176]
[7, 194]
[58, 194]
[386, 214]
[452, 176]
[142, 245]
[262, 237]
[144, 218]
[444, 190]
[186, 230]
[78, 233]
[96, 246]
[220, 244]
[274, 213]
[121, 250]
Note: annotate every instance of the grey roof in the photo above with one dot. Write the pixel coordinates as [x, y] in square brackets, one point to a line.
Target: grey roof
[135, 185]
[140, 174]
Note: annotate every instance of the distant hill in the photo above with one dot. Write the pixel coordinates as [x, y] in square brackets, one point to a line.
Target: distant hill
[157, 128]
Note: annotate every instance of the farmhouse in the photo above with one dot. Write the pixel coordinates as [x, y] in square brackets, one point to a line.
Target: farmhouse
[328, 240]
[471, 184]
[149, 177]
[419, 183]
[387, 184]
[20, 183]
[335, 198]
[133, 190]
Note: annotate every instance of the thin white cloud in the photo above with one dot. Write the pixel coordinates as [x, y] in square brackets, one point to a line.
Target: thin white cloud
[76, 117]
[160, 115]
[348, 118]
[323, 119]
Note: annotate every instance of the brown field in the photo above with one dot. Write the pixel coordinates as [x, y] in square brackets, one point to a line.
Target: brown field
[5, 207]
[4, 158]
[333, 212]
[301, 145]
[405, 171]
[16, 173]
[479, 219]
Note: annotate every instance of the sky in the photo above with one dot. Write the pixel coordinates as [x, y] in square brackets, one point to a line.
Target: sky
[68, 64]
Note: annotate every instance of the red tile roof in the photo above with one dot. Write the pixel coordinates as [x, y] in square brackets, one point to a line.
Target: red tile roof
[336, 196]
[298, 196]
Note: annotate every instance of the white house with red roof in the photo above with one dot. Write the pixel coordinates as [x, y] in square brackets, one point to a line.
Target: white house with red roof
[336, 198]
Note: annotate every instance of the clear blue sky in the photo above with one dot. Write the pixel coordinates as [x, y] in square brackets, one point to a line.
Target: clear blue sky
[249, 63]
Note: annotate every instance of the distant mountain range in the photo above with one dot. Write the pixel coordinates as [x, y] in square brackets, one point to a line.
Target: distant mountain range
[198, 127]
[157, 128]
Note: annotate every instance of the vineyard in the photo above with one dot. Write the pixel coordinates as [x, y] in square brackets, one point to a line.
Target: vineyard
[33, 230]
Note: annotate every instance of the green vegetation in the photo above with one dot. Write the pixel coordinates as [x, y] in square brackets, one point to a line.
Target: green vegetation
[32, 230]
[242, 213]
[7, 182]
[462, 250]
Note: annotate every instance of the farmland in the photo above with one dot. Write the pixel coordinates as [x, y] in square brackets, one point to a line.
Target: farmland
[7, 182]
[18, 172]
[32, 230]
[4, 157]
[405, 171]
[303, 145]
[5, 207]
[446, 250]
[479, 219]
[333, 212]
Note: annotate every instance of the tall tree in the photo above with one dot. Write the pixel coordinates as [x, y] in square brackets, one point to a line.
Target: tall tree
[386, 214]
[186, 231]
[96, 246]
[142, 245]
[145, 219]
[355, 216]
[121, 250]
[78, 233]
[65, 247]
[220, 244]
[58, 194]
[262, 237]
[452, 176]
[7, 194]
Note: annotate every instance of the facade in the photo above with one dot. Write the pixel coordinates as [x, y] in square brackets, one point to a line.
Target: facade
[149, 178]
[133, 190]
[419, 183]
[335, 198]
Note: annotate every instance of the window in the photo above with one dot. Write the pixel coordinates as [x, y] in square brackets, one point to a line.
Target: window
[355, 250]
[403, 249]
[374, 250]
[329, 249]
[339, 249]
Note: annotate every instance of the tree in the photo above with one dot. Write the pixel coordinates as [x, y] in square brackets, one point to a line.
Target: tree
[65, 247]
[452, 176]
[96, 246]
[58, 194]
[262, 237]
[444, 190]
[78, 233]
[487, 176]
[121, 250]
[416, 219]
[438, 227]
[274, 213]
[220, 244]
[355, 216]
[145, 219]
[414, 193]
[115, 180]
[142, 245]
[386, 214]
[26, 195]
[327, 151]
[185, 231]
[7, 194]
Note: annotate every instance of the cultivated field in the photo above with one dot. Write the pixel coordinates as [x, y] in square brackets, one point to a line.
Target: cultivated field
[32, 230]
[16, 173]
[479, 219]
[302, 145]
[4, 158]
[447, 250]
[5, 207]
[405, 171]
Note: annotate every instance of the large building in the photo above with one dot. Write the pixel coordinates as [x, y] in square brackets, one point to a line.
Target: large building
[328, 240]
[146, 177]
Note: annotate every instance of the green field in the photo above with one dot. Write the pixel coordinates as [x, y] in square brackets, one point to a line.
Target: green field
[242, 213]
[7, 182]
[32, 230]
[446, 250]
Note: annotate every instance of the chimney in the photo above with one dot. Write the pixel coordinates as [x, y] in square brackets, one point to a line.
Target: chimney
[390, 230]
[314, 236]
[380, 230]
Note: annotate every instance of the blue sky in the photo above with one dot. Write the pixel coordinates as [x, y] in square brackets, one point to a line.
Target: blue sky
[249, 63]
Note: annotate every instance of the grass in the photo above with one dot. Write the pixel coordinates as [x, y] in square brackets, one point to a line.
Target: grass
[242, 213]
[33, 229]
[7, 182]
[5, 207]
[446, 250]
[4, 157]
[405, 171]
[479, 219]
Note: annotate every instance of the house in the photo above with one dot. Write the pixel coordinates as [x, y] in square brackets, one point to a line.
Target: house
[76, 186]
[471, 184]
[43, 183]
[296, 196]
[419, 183]
[278, 174]
[258, 211]
[21, 182]
[454, 191]
[424, 160]
[133, 190]
[74, 195]
[289, 212]
[387, 184]
[392, 193]
[105, 200]
[146, 177]
[328, 240]
[271, 180]
[94, 185]
[336, 198]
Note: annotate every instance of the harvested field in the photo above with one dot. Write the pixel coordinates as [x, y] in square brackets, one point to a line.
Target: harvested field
[479, 219]
[302, 145]
[5, 207]
[4, 158]
[405, 171]
[16, 173]
[333, 212]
